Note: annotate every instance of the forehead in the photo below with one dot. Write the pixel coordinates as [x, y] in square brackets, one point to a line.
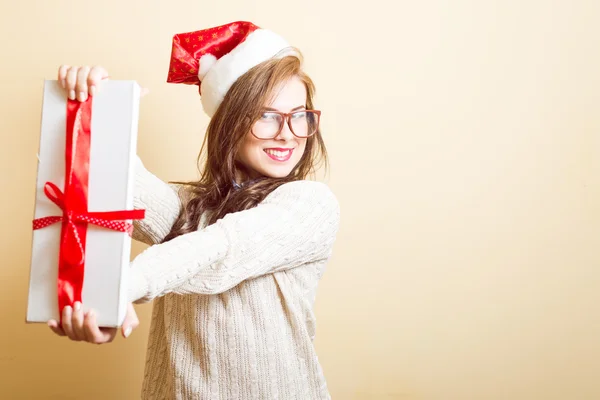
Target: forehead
[289, 95]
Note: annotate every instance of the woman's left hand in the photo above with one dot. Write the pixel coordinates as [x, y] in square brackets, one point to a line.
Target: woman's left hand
[78, 326]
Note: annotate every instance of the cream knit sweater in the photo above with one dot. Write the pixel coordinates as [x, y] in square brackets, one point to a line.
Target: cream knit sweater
[233, 302]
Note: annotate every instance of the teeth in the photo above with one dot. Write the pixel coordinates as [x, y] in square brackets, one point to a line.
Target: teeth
[276, 153]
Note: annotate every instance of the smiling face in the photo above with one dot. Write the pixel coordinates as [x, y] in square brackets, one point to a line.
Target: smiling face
[275, 157]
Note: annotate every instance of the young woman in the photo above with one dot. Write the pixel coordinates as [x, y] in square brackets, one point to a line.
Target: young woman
[236, 257]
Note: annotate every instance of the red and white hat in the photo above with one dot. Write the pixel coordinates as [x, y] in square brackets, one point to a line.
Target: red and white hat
[215, 58]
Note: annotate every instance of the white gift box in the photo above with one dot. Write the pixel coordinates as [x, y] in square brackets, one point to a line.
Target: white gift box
[114, 124]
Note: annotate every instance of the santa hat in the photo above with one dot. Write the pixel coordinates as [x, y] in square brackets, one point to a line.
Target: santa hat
[215, 58]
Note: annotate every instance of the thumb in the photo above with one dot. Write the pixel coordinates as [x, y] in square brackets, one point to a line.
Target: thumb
[131, 322]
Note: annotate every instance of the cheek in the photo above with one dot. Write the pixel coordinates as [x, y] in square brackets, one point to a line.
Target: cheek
[302, 148]
[250, 151]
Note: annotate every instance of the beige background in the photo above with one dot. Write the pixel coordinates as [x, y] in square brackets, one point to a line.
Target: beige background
[465, 147]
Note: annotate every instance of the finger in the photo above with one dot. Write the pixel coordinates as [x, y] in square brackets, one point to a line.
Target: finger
[109, 334]
[82, 85]
[66, 323]
[71, 81]
[93, 333]
[62, 75]
[55, 328]
[77, 321]
[91, 330]
[130, 323]
[96, 76]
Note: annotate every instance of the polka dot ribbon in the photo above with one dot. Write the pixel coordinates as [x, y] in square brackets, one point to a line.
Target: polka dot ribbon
[73, 203]
[114, 220]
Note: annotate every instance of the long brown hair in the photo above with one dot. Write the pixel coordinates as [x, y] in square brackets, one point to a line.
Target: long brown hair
[214, 195]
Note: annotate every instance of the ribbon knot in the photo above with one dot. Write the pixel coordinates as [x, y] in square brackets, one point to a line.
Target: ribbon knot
[114, 220]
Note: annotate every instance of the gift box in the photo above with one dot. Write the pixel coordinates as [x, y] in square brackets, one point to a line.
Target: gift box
[83, 214]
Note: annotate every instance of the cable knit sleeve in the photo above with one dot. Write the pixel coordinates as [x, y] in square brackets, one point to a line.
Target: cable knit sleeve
[161, 202]
[295, 224]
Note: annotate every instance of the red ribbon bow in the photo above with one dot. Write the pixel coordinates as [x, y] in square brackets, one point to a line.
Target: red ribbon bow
[73, 203]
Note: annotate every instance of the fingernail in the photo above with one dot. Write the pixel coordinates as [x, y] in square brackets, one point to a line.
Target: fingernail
[72, 95]
[127, 332]
[77, 306]
[82, 96]
[92, 90]
[91, 313]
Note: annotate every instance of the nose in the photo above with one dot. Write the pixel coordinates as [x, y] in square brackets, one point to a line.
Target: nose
[285, 134]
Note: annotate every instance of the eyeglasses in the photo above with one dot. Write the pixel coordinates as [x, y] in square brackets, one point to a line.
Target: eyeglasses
[302, 124]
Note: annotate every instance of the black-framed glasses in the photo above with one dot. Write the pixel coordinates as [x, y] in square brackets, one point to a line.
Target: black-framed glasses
[302, 123]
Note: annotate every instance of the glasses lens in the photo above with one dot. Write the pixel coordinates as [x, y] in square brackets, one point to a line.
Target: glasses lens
[305, 123]
[267, 126]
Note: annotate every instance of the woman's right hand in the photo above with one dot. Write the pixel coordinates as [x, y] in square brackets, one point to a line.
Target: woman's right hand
[81, 82]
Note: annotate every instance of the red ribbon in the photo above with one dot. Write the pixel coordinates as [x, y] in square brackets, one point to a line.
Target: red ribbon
[73, 202]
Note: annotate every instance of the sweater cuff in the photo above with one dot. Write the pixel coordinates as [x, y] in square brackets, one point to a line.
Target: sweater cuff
[138, 286]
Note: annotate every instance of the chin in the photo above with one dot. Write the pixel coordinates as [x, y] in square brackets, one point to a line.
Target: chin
[277, 173]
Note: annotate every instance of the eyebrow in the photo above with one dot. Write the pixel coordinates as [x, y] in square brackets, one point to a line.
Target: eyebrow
[293, 109]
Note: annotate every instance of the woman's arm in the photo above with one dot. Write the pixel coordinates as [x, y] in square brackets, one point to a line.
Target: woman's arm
[161, 202]
[295, 224]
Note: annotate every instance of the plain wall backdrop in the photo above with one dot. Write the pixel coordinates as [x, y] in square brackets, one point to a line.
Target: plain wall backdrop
[465, 153]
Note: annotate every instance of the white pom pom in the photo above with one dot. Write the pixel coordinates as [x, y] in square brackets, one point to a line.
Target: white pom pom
[206, 63]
